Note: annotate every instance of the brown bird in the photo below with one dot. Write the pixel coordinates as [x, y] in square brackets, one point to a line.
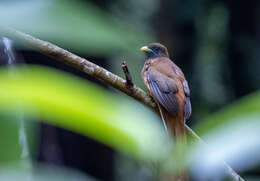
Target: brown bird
[167, 85]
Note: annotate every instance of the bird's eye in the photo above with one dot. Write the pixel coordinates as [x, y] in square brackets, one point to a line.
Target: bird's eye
[156, 50]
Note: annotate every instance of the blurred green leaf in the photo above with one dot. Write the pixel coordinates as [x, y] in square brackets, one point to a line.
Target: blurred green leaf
[17, 139]
[9, 140]
[77, 105]
[252, 178]
[41, 173]
[231, 134]
[73, 24]
[245, 107]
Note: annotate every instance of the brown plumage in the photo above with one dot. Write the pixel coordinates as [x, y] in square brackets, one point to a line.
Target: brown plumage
[167, 85]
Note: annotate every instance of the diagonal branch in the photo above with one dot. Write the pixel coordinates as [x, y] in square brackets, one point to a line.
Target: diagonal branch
[97, 72]
[80, 63]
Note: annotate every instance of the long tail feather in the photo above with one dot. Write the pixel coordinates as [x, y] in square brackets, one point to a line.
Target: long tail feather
[176, 130]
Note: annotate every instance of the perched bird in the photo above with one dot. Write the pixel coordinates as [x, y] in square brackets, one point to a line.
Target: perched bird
[167, 85]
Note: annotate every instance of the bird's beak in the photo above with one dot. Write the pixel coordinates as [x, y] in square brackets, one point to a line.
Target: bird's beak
[145, 49]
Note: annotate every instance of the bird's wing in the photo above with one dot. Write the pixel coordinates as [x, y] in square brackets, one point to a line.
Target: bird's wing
[164, 90]
[187, 108]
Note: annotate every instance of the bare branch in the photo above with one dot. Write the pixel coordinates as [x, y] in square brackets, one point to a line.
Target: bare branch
[82, 64]
[100, 73]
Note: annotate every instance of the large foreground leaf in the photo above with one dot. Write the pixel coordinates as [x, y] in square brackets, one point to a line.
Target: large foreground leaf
[77, 105]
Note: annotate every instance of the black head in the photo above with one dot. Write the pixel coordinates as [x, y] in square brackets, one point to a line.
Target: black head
[155, 50]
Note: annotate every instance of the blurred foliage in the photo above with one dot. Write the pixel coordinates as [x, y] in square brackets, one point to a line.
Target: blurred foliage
[17, 138]
[210, 64]
[9, 135]
[212, 54]
[219, 58]
[81, 27]
[69, 102]
[43, 172]
[232, 134]
[245, 107]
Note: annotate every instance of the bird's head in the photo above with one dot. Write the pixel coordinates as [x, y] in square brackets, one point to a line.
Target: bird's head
[154, 50]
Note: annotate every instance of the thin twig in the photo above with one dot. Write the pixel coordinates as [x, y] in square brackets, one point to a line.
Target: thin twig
[128, 78]
[97, 72]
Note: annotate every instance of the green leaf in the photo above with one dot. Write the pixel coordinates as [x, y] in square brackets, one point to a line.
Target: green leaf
[69, 102]
[245, 107]
[231, 134]
[41, 173]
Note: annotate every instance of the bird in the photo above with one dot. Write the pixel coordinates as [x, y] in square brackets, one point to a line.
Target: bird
[168, 87]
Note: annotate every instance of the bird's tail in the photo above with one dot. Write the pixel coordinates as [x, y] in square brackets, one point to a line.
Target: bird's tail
[175, 126]
[176, 130]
